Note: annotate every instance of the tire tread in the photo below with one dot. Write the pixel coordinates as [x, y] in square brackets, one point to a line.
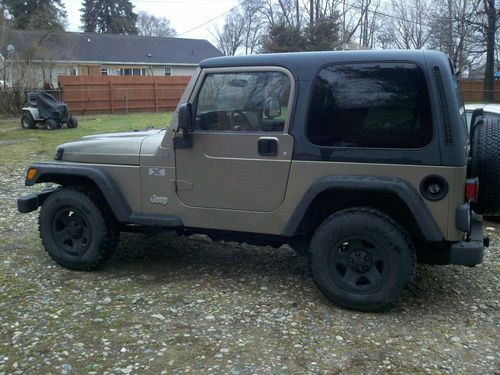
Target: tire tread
[106, 220]
[395, 233]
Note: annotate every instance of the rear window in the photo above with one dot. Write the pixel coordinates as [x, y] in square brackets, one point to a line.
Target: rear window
[383, 105]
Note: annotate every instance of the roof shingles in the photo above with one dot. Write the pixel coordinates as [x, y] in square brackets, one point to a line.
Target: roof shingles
[86, 47]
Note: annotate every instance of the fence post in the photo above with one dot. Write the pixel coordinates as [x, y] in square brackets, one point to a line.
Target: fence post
[126, 100]
[111, 97]
[156, 96]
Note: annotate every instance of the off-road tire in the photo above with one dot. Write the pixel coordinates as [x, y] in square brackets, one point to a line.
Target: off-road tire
[485, 165]
[51, 124]
[27, 121]
[392, 259]
[72, 123]
[99, 226]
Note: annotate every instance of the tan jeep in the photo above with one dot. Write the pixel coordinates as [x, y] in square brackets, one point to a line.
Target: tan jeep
[362, 160]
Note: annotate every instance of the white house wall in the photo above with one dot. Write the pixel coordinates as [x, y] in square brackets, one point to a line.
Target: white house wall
[177, 70]
[33, 77]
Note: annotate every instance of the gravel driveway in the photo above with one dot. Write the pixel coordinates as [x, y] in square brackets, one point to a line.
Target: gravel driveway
[166, 304]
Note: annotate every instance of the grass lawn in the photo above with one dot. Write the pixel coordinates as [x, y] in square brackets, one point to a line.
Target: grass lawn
[37, 144]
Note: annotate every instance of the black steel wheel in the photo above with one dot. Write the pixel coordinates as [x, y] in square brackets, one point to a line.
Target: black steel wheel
[362, 259]
[77, 228]
[359, 265]
[71, 231]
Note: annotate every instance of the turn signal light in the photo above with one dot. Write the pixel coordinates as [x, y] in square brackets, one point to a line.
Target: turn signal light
[472, 189]
[31, 173]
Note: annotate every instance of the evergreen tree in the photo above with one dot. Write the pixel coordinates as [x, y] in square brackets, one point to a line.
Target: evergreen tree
[36, 14]
[109, 16]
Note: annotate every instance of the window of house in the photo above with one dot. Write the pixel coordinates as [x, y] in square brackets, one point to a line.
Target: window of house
[168, 71]
[247, 101]
[104, 71]
[370, 105]
[74, 71]
[131, 71]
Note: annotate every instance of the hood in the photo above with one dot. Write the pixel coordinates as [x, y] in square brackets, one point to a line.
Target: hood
[113, 148]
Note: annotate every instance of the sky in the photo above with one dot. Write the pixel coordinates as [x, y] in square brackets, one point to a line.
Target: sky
[184, 15]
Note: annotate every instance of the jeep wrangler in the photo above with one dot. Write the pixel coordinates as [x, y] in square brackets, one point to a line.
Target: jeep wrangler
[361, 160]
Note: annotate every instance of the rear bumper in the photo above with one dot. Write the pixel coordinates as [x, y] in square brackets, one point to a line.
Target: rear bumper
[469, 253]
[31, 202]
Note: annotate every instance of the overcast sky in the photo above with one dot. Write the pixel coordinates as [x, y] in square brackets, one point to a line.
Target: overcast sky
[184, 15]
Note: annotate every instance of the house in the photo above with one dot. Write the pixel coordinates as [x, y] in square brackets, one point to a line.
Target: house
[39, 57]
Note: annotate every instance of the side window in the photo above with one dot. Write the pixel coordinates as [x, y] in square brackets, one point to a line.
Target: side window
[373, 105]
[249, 101]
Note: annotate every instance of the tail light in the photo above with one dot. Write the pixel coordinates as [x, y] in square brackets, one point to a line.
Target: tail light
[472, 189]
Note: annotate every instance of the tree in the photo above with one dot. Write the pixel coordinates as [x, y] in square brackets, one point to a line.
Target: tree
[284, 38]
[406, 25]
[452, 33]
[108, 16]
[231, 37]
[150, 25]
[323, 34]
[36, 14]
[490, 30]
[254, 25]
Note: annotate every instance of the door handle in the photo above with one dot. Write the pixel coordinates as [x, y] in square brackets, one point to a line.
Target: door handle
[268, 146]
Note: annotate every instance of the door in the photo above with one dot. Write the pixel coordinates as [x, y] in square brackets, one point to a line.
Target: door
[241, 152]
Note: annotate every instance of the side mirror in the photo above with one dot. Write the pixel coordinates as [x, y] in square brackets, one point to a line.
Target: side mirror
[272, 108]
[185, 118]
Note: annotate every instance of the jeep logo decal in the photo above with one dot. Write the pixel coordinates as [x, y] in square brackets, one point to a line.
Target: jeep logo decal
[158, 200]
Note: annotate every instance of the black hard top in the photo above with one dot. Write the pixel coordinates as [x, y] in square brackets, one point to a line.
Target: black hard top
[305, 64]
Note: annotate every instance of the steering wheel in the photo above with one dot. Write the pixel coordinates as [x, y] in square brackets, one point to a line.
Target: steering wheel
[239, 121]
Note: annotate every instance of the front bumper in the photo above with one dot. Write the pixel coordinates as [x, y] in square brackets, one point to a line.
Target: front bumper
[470, 253]
[31, 202]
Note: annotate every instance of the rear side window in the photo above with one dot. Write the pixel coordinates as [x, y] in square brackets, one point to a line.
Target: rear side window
[383, 105]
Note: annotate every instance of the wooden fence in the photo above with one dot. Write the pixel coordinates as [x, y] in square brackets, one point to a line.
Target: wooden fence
[473, 91]
[110, 94]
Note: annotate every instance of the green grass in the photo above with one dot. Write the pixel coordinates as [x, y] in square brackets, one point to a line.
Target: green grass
[16, 142]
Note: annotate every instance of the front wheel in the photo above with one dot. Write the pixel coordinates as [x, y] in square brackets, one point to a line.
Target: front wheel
[77, 229]
[362, 259]
[27, 121]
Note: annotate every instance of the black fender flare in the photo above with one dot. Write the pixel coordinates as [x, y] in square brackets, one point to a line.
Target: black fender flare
[400, 188]
[59, 172]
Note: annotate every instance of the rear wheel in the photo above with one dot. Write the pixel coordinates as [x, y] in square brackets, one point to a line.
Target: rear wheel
[77, 229]
[51, 124]
[27, 121]
[361, 259]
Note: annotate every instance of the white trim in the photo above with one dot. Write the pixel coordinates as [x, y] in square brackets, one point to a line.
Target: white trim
[73, 62]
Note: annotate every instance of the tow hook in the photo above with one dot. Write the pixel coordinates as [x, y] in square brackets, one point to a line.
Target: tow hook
[486, 241]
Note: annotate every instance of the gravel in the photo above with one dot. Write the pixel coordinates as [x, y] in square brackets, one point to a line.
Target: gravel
[168, 304]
